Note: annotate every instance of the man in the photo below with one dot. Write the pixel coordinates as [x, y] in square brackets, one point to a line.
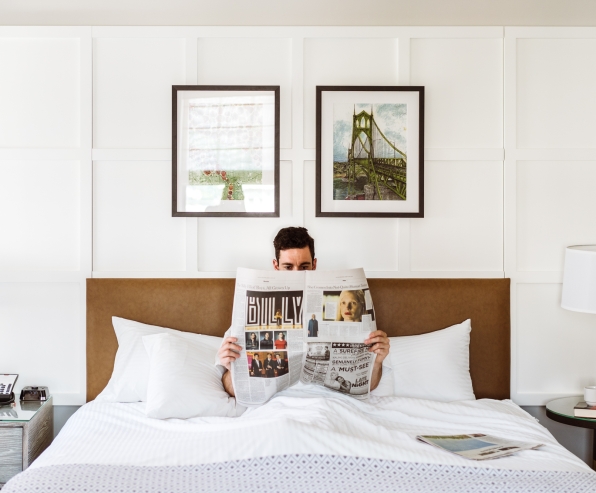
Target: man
[327, 353]
[266, 342]
[269, 366]
[295, 250]
[279, 365]
[256, 366]
[313, 326]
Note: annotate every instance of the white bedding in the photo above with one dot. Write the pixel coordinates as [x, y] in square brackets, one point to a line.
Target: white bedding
[302, 420]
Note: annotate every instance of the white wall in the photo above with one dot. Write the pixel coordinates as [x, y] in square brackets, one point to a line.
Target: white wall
[85, 174]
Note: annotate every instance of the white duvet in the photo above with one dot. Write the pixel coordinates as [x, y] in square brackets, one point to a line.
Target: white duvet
[303, 420]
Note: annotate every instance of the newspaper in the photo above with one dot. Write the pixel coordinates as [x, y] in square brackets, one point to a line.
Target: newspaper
[308, 326]
[477, 446]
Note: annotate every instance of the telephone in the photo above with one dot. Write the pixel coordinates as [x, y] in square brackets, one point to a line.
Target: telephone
[7, 381]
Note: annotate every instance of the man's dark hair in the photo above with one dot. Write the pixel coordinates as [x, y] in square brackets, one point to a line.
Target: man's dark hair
[292, 237]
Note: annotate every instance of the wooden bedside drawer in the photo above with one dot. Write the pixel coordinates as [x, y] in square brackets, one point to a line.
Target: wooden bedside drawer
[21, 442]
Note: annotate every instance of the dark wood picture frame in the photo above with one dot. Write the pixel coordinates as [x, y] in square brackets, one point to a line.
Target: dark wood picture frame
[176, 89]
[417, 166]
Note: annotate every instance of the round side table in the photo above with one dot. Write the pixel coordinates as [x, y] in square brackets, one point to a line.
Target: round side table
[561, 410]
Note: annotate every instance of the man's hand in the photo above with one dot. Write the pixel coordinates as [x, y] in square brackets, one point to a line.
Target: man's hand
[380, 346]
[228, 351]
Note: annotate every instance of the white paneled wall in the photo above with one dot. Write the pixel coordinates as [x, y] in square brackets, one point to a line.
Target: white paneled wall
[39, 219]
[40, 92]
[131, 76]
[550, 168]
[133, 228]
[85, 173]
[464, 82]
[463, 225]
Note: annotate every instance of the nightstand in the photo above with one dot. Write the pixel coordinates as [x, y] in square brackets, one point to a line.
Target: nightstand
[561, 410]
[26, 429]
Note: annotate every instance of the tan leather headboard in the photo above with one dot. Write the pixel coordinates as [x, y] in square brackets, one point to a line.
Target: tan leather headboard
[402, 306]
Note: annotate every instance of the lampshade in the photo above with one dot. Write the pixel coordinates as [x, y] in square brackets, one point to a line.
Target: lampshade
[579, 279]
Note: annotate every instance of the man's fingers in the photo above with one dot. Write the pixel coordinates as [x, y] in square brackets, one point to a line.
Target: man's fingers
[377, 339]
[229, 353]
[232, 346]
[379, 347]
[376, 336]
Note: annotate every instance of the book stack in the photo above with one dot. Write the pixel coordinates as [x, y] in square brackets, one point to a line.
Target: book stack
[582, 410]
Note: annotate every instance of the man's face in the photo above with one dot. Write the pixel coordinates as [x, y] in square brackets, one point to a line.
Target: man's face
[295, 259]
[256, 356]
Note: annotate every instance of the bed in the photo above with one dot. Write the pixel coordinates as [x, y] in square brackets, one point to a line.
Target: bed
[306, 438]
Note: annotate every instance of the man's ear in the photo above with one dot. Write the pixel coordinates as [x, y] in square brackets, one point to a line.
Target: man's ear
[314, 264]
[275, 264]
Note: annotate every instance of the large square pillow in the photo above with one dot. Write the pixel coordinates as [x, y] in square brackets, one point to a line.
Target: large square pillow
[130, 376]
[183, 381]
[434, 366]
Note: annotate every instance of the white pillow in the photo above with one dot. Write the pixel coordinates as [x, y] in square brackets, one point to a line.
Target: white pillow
[434, 366]
[130, 376]
[183, 382]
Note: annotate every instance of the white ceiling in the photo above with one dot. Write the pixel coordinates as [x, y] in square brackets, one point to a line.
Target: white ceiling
[299, 12]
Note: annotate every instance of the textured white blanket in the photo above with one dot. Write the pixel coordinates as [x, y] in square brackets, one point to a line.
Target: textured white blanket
[303, 420]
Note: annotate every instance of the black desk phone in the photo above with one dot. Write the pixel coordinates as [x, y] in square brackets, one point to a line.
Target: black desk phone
[7, 382]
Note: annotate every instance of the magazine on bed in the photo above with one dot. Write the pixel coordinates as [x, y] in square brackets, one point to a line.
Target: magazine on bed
[477, 446]
[308, 326]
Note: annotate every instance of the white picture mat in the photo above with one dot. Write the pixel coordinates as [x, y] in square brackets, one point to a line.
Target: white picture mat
[328, 99]
[268, 177]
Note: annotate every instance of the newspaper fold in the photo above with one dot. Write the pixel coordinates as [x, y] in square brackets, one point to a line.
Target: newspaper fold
[308, 326]
[477, 446]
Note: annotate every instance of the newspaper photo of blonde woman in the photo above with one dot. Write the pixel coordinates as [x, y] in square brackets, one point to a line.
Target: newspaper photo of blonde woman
[350, 306]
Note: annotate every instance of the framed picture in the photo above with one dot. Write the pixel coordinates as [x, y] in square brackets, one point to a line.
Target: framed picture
[370, 151]
[225, 151]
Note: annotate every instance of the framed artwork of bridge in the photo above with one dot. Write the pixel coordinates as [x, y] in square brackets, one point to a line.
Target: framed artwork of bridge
[370, 151]
[225, 151]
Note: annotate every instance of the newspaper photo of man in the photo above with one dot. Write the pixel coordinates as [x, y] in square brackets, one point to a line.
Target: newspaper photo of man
[266, 340]
[318, 351]
[280, 364]
[255, 365]
[268, 364]
[313, 326]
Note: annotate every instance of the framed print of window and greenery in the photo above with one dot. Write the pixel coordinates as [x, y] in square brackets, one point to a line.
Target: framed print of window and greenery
[370, 151]
[225, 151]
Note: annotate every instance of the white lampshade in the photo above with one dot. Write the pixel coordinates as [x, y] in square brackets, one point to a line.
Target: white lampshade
[579, 279]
